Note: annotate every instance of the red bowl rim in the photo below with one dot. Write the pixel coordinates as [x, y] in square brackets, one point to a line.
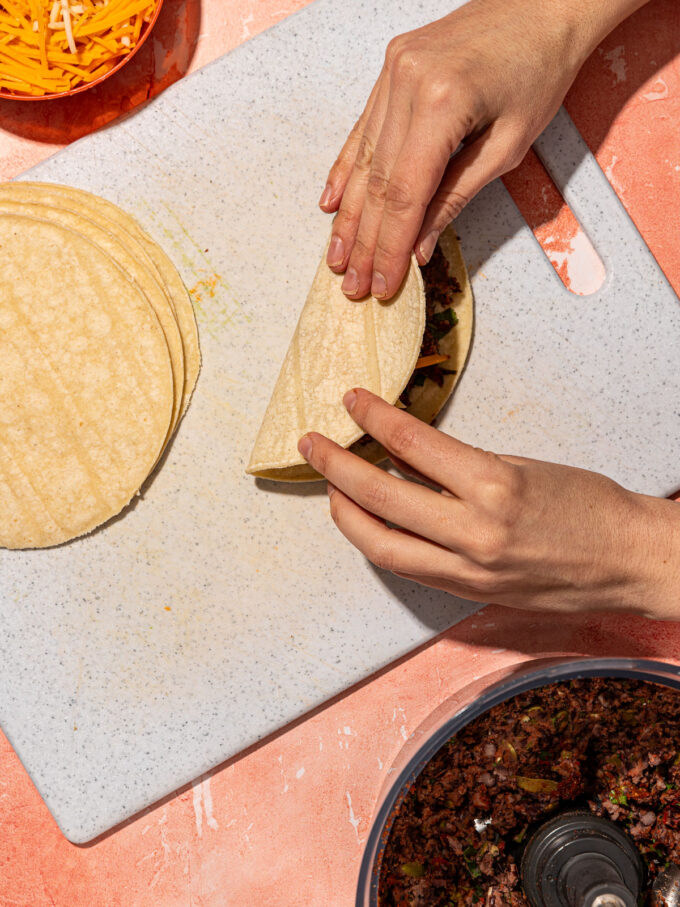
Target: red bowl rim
[86, 86]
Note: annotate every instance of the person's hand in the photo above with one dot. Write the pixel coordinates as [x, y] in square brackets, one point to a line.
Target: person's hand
[495, 528]
[490, 75]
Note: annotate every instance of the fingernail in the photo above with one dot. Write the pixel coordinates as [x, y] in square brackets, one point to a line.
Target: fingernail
[336, 252]
[428, 244]
[326, 196]
[350, 284]
[330, 489]
[305, 446]
[378, 285]
[349, 400]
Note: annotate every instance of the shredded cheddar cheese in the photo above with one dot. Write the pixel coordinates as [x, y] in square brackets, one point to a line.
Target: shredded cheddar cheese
[52, 46]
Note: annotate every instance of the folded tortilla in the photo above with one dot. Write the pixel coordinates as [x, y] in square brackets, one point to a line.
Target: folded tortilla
[339, 344]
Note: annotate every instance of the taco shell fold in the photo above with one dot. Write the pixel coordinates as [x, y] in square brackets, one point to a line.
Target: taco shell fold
[339, 344]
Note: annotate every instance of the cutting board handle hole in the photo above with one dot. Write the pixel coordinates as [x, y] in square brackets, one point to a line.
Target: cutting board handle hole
[561, 236]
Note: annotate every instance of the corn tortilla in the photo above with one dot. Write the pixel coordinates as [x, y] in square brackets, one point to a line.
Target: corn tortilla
[135, 271]
[338, 344]
[126, 229]
[86, 386]
[333, 350]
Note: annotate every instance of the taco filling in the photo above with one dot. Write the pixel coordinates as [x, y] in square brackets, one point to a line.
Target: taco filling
[442, 288]
[403, 349]
[440, 318]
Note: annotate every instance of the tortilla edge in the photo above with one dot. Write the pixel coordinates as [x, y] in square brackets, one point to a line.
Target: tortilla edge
[374, 452]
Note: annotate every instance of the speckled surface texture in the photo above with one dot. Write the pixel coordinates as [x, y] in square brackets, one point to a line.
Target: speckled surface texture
[270, 613]
[216, 611]
[285, 823]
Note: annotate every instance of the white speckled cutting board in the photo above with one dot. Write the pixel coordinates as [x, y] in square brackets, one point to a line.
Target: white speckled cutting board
[112, 700]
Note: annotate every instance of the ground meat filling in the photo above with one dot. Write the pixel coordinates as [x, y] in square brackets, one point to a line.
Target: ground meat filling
[612, 745]
[440, 291]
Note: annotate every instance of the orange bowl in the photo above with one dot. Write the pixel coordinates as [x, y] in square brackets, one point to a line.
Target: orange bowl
[11, 96]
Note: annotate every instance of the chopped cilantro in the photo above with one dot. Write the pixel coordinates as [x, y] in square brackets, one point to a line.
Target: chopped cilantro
[441, 323]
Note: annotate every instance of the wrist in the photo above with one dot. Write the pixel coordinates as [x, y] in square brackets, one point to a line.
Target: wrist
[590, 21]
[658, 557]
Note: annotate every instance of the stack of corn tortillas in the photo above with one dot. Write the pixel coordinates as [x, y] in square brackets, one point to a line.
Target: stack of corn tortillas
[99, 356]
[339, 344]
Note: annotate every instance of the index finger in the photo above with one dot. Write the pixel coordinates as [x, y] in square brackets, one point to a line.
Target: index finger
[456, 466]
[339, 174]
[414, 179]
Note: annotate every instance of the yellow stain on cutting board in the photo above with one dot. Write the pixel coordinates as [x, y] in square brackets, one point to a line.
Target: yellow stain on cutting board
[204, 289]
[216, 304]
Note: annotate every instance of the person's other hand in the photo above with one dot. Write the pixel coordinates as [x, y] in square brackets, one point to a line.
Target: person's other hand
[495, 528]
[490, 75]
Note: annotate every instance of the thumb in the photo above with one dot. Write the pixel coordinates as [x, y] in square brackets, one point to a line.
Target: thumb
[477, 164]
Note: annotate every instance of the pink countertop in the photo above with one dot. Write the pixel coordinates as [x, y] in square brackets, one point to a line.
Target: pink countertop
[284, 824]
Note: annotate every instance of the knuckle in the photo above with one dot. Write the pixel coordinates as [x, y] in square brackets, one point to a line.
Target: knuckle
[375, 495]
[393, 49]
[514, 157]
[405, 60]
[502, 492]
[362, 252]
[364, 154]
[399, 197]
[401, 439]
[481, 581]
[340, 168]
[376, 186]
[489, 547]
[436, 92]
[390, 257]
[451, 204]
[346, 221]
[514, 144]
[381, 552]
[357, 130]
[345, 159]
[507, 158]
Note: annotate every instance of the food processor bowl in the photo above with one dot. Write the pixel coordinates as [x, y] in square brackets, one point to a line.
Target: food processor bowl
[465, 706]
